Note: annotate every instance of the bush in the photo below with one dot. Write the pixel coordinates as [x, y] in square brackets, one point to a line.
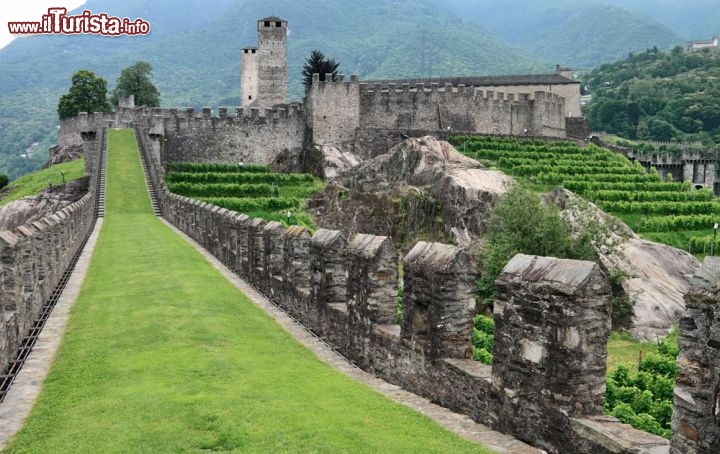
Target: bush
[520, 223]
[483, 338]
[644, 399]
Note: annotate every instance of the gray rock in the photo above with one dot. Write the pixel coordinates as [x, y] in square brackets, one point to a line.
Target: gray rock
[421, 187]
[29, 209]
[658, 274]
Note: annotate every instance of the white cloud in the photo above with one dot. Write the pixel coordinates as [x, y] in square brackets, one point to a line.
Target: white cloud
[28, 10]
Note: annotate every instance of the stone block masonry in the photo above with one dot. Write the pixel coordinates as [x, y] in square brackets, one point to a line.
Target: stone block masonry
[696, 417]
[33, 258]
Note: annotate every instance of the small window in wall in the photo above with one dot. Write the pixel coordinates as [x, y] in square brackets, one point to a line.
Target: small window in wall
[250, 97]
[278, 24]
[253, 51]
[267, 23]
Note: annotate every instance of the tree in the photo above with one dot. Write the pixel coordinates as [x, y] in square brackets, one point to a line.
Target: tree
[135, 80]
[317, 64]
[521, 223]
[88, 93]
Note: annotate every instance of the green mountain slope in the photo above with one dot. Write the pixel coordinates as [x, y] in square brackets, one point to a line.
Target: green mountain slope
[194, 48]
[658, 95]
[693, 19]
[581, 35]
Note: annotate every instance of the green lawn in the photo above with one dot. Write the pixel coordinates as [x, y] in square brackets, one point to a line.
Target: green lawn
[162, 354]
[623, 349]
[36, 182]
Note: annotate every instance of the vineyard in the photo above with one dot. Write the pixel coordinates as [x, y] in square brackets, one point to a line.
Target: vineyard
[669, 212]
[252, 189]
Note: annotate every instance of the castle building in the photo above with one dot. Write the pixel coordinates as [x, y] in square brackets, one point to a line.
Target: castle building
[263, 68]
[702, 44]
[358, 119]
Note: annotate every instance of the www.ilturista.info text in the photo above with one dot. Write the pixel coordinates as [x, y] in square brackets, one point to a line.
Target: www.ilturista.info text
[57, 22]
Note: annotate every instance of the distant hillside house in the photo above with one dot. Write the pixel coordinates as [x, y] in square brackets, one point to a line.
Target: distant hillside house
[702, 44]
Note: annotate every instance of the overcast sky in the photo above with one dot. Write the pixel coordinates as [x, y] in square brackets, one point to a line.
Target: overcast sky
[27, 10]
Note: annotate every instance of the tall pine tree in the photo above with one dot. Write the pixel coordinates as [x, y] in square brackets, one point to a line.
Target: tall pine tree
[317, 64]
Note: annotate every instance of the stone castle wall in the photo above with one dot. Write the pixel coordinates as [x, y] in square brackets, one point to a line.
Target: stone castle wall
[247, 135]
[552, 320]
[34, 257]
[353, 115]
[696, 414]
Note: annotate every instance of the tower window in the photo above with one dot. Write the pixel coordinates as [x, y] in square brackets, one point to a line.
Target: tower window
[278, 24]
[250, 97]
[267, 23]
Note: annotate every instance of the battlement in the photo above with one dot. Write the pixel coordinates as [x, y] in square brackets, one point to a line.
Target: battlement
[393, 88]
[547, 381]
[34, 256]
[191, 118]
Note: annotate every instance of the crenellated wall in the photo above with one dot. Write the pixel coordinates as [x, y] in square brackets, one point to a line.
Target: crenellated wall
[250, 135]
[696, 415]
[32, 259]
[351, 115]
[356, 116]
[552, 321]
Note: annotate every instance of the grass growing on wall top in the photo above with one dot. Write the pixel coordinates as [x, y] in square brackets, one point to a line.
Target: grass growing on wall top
[36, 182]
[162, 354]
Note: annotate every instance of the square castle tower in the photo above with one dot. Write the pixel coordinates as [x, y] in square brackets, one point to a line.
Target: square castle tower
[263, 68]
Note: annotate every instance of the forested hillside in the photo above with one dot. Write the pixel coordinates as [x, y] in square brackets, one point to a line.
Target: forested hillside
[658, 95]
[581, 35]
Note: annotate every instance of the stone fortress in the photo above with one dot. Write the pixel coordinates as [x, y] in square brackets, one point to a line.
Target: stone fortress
[352, 116]
[552, 316]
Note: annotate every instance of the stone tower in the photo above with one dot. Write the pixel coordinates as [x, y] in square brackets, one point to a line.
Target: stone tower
[264, 68]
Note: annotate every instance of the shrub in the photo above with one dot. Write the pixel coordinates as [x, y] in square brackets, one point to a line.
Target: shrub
[644, 399]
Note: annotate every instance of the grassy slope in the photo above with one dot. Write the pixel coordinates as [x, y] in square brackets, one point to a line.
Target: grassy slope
[622, 349]
[36, 182]
[162, 354]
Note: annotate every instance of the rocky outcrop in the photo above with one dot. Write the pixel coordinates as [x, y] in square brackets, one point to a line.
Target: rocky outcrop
[656, 275]
[335, 161]
[28, 209]
[421, 187]
[58, 154]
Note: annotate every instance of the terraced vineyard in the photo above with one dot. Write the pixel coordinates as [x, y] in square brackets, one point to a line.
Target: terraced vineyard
[252, 189]
[669, 212]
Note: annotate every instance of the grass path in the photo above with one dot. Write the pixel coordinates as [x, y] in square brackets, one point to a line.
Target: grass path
[162, 354]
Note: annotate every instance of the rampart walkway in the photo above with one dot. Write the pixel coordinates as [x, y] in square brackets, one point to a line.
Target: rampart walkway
[163, 354]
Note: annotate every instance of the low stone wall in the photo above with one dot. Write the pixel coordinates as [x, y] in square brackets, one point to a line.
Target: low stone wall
[34, 257]
[32, 260]
[696, 416]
